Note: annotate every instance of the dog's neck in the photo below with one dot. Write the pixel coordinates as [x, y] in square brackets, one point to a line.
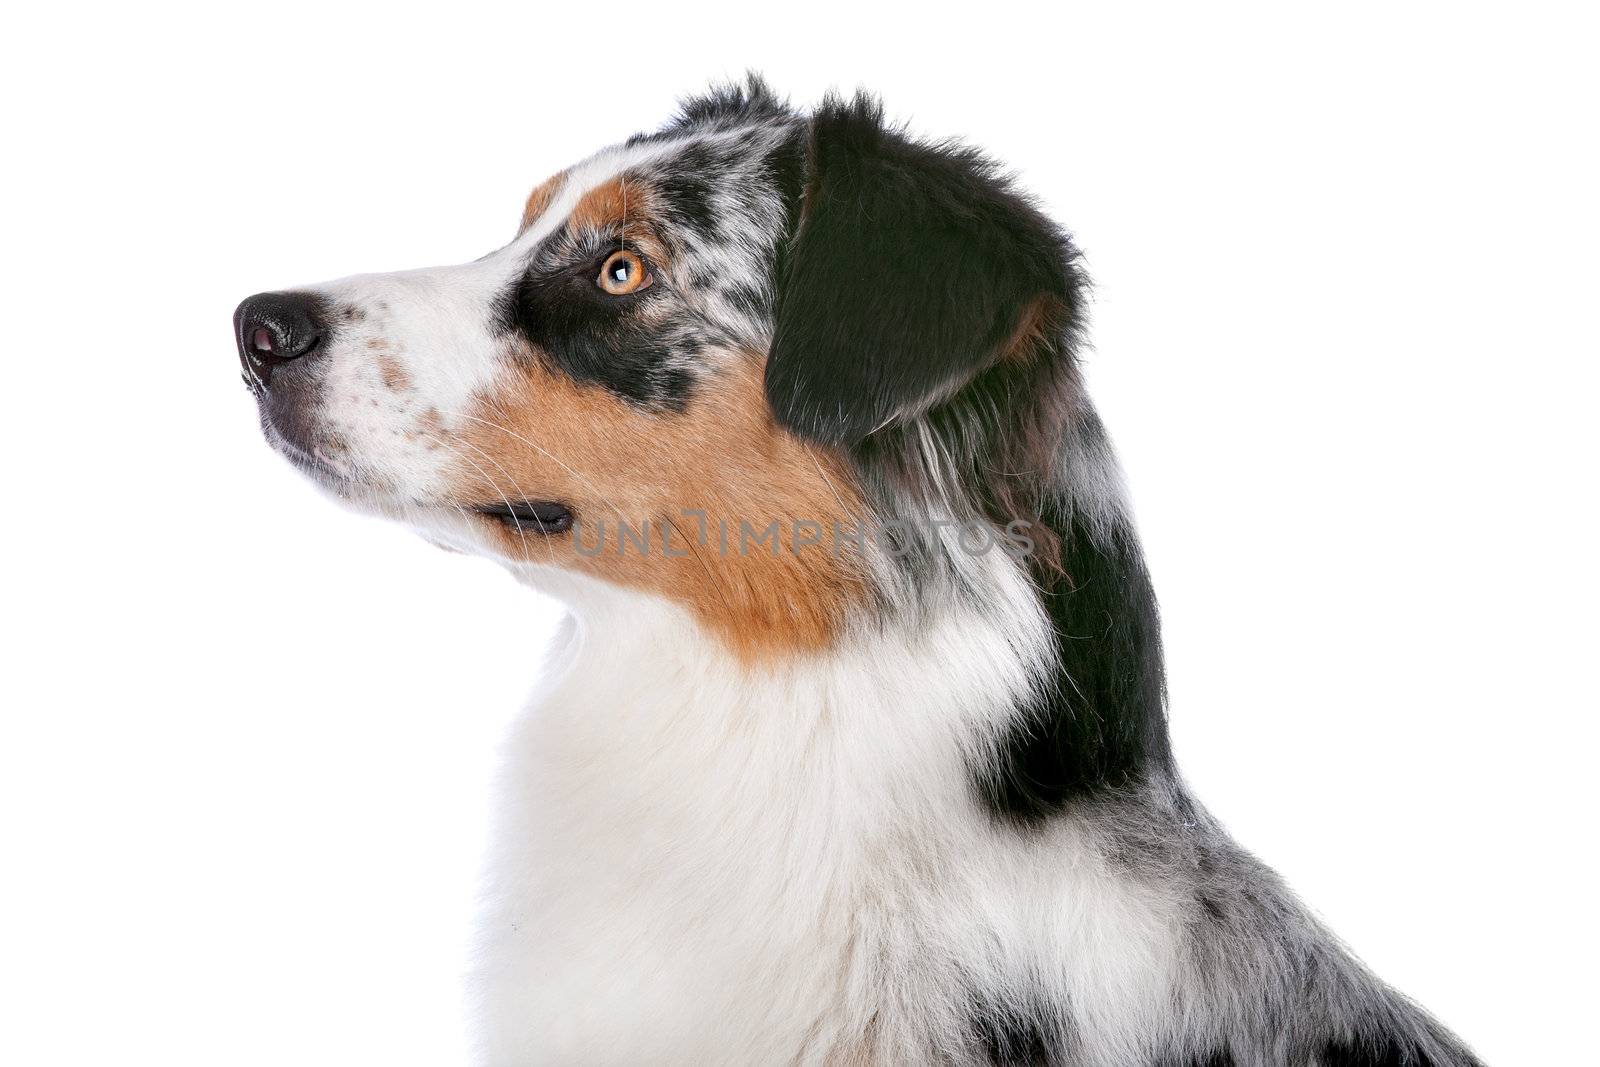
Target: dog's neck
[637, 679]
[1041, 692]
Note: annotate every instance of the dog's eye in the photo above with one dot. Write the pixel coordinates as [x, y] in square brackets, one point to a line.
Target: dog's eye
[623, 273]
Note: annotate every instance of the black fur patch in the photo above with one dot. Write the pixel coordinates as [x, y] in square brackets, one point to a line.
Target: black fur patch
[1013, 1043]
[1006, 1036]
[1384, 1052]
[604, 340]
[1223, 1058]
[910, 267]
[1101, 726]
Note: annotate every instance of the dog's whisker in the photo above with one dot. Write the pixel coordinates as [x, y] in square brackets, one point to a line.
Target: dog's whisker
[522, 494]
[511, 511]
[601, 497]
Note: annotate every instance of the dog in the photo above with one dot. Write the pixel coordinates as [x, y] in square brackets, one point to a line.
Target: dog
[852, 748]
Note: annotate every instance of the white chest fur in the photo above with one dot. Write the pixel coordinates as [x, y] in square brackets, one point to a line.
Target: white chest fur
[701, 862]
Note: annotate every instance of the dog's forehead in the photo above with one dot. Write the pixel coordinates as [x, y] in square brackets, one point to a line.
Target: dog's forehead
[695, 179]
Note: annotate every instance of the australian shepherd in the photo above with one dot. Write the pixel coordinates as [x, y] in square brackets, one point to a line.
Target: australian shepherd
[853, 746]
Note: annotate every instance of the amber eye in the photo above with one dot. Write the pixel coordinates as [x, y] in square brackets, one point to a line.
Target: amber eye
[623, 273]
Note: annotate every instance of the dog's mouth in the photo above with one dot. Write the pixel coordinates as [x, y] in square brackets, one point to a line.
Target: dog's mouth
[530, 516]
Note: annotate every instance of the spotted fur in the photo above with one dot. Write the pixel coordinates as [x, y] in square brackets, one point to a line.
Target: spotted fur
[882, 799]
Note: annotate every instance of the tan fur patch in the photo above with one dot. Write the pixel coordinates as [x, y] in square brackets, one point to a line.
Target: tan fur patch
[603, 205]
[540, 199]
[393, 374]
[1037, 321]
[622, 200]
[613, 464]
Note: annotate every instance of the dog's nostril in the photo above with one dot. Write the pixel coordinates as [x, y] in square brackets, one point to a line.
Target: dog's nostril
[261, 341]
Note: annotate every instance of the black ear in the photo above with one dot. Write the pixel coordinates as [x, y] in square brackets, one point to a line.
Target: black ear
[911, 268]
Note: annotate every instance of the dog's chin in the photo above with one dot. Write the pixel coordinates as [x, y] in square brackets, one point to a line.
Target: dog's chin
[326, 470]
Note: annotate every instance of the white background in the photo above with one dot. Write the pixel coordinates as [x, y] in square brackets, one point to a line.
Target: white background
[1344, 337]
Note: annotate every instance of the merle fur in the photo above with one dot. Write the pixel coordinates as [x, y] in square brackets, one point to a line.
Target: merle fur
[920, 297]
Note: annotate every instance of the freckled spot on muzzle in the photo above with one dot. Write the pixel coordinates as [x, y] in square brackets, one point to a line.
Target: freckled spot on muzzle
[393, 374]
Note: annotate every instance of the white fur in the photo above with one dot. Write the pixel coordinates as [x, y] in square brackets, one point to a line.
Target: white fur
[701, 863]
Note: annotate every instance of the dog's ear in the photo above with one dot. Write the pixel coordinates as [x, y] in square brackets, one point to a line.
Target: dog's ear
[911, 268]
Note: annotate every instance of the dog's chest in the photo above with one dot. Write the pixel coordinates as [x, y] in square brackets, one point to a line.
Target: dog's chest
[691, 903]
[706, 862]
[697, 863]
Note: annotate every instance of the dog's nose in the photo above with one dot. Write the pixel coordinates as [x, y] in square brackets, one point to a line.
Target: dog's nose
[273, 328]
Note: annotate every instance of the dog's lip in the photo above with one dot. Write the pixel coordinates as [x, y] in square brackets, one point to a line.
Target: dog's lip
[317, 465]
[543, 516]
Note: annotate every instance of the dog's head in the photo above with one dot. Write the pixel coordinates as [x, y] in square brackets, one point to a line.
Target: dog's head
[750, 363]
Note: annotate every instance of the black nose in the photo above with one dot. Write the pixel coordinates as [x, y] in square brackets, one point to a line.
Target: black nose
[273, 328]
